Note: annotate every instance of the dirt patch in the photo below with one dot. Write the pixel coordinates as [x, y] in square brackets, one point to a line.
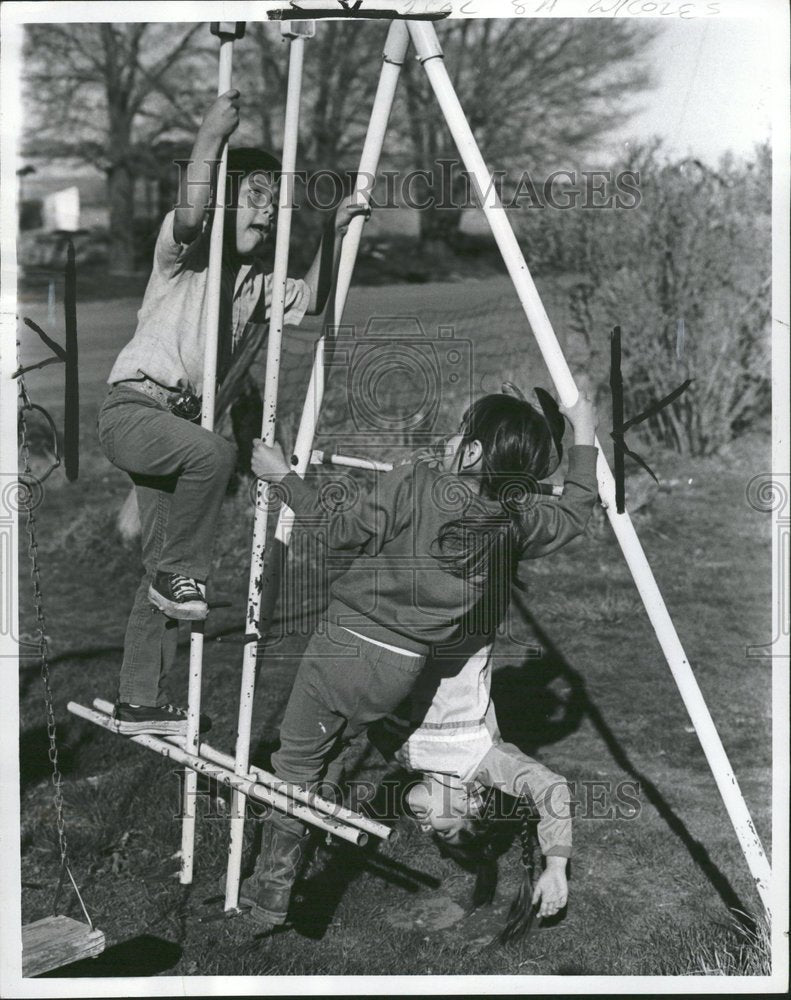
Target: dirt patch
[436, 914]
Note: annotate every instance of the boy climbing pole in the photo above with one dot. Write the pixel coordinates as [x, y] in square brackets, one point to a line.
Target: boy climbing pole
[146, 424]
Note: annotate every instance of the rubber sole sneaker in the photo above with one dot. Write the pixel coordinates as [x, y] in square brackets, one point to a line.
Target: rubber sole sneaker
[164, 720]
[183, 611]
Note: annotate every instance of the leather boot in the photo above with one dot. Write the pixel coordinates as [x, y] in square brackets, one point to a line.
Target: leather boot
[268, 890]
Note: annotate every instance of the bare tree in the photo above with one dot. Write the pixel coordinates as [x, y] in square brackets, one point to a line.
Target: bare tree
[342, 66]
[104, 94]
[536, 92]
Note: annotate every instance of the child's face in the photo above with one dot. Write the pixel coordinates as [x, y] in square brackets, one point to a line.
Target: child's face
[439, 808]
[255, 215]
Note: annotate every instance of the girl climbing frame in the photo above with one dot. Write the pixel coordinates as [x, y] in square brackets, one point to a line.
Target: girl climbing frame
[236, 772]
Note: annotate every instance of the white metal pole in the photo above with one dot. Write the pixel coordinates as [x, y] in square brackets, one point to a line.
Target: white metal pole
[322, 458]
[393, 56]
[429, 51]
[244, 785]
[227, 32]
[214, 284]
[297, 31]
[316, 802]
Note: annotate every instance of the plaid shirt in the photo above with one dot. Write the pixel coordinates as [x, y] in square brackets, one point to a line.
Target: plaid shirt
[168, 344]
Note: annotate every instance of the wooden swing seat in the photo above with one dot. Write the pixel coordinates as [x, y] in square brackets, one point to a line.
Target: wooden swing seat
[57, 941]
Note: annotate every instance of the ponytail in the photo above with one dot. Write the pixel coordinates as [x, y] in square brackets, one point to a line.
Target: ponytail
[485, 878]
[523, 910]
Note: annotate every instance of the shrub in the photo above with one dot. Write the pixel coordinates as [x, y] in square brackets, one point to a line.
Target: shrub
[686, 275]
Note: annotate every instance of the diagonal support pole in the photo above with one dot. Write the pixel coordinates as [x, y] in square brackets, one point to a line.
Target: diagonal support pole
[297, 32]
[393, 57]
[429, 52]
[227, 32]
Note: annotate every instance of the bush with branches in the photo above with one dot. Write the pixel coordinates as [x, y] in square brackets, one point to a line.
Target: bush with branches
[686, 274]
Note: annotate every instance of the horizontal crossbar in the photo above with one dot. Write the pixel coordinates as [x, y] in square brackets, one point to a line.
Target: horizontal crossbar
[318, 457]
[248, 786]
[316, 802]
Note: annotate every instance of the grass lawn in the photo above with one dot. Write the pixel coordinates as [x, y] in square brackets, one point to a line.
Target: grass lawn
[580, 681]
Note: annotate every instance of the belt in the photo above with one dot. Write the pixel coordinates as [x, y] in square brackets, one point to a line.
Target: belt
[148, 387]
[182, 402]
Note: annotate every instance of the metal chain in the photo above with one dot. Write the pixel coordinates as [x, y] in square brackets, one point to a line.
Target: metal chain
[43, 649]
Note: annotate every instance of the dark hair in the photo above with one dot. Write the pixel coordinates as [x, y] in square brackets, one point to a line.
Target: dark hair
[517, 451]
[484, 841]
[245, 160]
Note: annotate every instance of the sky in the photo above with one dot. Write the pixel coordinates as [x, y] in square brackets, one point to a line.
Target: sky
[713, 90]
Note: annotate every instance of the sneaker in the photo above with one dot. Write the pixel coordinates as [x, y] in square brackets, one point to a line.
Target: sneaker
[178, 596]
[157, 720]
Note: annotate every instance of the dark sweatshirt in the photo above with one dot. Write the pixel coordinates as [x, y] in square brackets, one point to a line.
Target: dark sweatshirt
[393, 589]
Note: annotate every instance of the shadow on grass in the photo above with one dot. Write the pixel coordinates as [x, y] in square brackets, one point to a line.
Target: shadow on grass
[533, 730]
[142, 956]
[529, 713]
[34, 762]
[30, 672]
[320, 895]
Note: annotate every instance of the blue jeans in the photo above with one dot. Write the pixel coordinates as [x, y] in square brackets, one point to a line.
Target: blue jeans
[343, 684]
[180, 472]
